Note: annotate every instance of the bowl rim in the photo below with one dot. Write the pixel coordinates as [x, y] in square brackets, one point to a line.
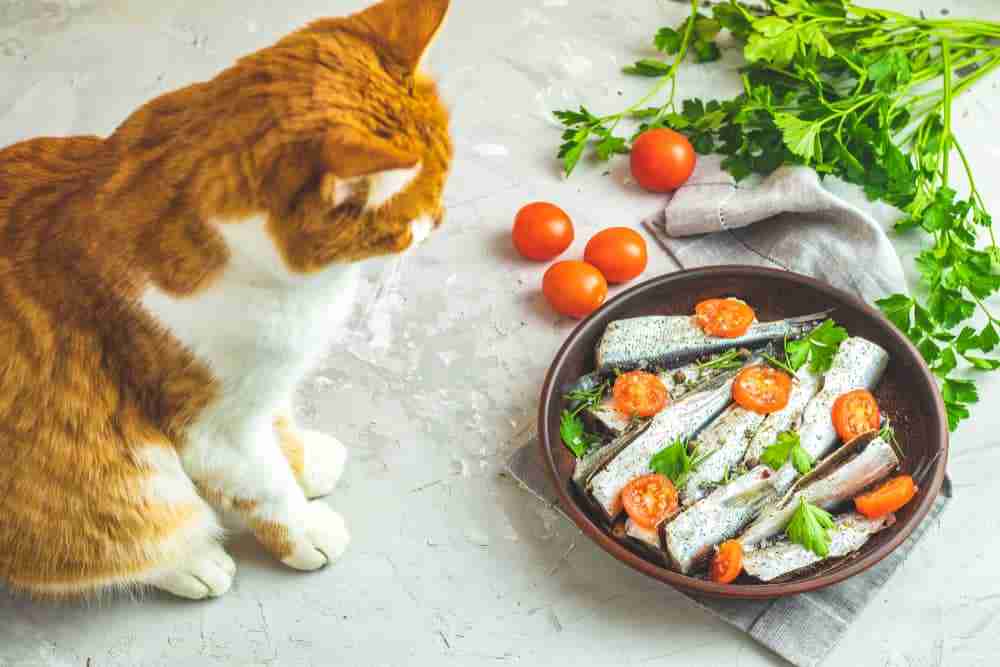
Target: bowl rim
[595, 532]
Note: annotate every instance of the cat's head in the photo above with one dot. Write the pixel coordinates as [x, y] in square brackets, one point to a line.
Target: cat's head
[330, 144]
[356, 165]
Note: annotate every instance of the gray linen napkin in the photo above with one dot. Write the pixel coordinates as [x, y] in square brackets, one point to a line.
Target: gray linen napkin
[803, 227]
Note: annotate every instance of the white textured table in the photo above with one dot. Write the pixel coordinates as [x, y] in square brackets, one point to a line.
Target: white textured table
[437, 378]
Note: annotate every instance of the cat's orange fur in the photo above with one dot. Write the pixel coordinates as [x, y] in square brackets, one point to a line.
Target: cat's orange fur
[92, 390]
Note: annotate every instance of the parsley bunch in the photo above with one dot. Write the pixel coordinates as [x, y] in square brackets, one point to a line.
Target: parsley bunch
[865, 95]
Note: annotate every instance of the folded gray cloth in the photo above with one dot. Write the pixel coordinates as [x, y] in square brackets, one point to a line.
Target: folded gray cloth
[803, 227]
[789, 220]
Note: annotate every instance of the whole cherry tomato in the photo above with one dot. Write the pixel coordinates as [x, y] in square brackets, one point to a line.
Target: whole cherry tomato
[574, 288]
[619, 252]
[662, 160]
[542, 231]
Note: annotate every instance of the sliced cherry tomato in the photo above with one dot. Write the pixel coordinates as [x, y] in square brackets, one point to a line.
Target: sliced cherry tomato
[854, 413]
[887, 498]
[763, 389]
[542, 231]
[619, 253]
[639, 394]
[662, 160]
[724, 318]
[727, 563]
[650, 499]
[574, 288]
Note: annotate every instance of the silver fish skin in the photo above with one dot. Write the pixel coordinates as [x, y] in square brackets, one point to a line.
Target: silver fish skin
[637, 532]
[596, 458]
[842, 481]
[689, 539]
[724, 442]
[858, 364]
[591, 462]
[807, 384]
[679, 383]
[784, 559]
[670, 340]
[682, 419]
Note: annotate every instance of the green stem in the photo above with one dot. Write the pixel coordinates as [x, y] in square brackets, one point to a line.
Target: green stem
[946, 138]
[670, 77]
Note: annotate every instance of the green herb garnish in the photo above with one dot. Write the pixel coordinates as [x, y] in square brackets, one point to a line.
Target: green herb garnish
[674, 461]
[574, 436]
[810, 526]
[787, 446]
[866, 95]
[818, 347]
[583, 399]
[778, 363]
[727, 360]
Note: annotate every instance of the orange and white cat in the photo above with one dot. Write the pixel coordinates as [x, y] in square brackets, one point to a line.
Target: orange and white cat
[163, 290]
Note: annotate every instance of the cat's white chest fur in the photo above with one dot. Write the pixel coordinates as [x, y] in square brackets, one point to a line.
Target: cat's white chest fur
[259, 328]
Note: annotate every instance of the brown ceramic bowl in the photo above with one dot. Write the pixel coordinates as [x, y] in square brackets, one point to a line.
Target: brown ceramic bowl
[907, 393]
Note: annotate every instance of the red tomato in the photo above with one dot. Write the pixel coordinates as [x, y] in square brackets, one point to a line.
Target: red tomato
[854, 413]
[619, 252]
[542, 231]
[728, 562]
[649, 499]
[662, 160]
[639, 394]
[887, 498]
[763, 389]
[574, 288]
[724, 318]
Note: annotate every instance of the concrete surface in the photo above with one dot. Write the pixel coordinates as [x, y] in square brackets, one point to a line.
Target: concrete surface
[437, 378]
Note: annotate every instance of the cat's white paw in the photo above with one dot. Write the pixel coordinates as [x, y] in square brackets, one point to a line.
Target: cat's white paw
[323, 465]
[323, 539]
[207, 574]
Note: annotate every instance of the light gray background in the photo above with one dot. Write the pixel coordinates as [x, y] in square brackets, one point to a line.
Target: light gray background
[437, 377]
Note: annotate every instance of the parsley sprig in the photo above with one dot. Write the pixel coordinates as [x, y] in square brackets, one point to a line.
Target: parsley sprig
[787, 446]
[810, 526]
[818, 347]
[571, 429]
[865, 95]
[676, 462]
[734, 358]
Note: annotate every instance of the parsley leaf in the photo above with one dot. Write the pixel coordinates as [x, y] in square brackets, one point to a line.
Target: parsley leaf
[810, 526]
[675, 462]
[819, 347]
[571, 429]
[788, 445]
[573, 434]
[801, 137]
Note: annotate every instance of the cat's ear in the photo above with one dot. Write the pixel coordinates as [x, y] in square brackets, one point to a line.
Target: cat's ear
[350, 154]
[405, 28]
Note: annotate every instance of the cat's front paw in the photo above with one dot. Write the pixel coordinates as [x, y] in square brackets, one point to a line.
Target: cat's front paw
[324, 458]
[321, 539]
[206, 574]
